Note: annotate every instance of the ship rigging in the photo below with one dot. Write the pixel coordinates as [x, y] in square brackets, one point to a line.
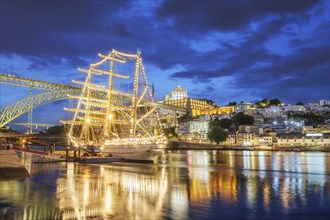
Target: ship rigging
[116, 106]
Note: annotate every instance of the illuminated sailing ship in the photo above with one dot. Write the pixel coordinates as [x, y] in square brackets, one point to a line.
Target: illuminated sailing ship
[115, 109]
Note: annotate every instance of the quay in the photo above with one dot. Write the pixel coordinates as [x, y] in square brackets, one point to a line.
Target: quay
[68, 156]
[11, 165]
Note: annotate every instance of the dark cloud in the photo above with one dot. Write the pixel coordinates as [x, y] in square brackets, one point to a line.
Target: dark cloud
[57, 28]
[196, 16]
[266, 48]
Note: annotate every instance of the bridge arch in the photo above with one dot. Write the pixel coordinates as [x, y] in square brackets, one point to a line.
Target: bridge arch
[14, 110]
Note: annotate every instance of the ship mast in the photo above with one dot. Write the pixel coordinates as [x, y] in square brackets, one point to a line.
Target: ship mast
[109, 109]
[135, 95]
[106, 111]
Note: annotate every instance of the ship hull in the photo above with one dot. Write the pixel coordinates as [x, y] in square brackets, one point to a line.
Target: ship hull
[144, 154]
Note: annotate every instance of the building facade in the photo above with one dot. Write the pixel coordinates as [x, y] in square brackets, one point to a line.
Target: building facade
[177, 94]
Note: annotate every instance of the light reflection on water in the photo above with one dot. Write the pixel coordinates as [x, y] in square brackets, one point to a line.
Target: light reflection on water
[179, 185]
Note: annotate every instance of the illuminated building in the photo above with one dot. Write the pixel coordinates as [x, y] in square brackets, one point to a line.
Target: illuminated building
[231, 140]
[200, 128]
[250, 129]
[246, 107]
[271, 111]
[193, 130]
[324, 102]
[321, 106]
[266, 141]
[213, 111]
[294, 108]
[197, 107]
[247, 139]
[177, 94]
[300, 140]
[190, 104]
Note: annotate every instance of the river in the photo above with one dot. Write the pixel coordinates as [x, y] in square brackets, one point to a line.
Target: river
[186, 184]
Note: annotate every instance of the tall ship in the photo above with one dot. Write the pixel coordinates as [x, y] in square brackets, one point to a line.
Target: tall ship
[115, 110]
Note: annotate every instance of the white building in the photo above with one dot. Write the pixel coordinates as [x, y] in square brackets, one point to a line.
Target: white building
[294, 108]
[177, 94]
[265, 140]
[301, 140]
[318, 107]
[200, 128]
[247, 139]
[271, 111]
[183, 128]
[196, 129]
[324, 102]
[246, 107]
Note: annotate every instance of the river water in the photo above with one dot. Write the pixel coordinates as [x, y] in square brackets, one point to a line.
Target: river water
[188, 184]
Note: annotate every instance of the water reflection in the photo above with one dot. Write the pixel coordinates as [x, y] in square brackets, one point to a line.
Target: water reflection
[179, 185]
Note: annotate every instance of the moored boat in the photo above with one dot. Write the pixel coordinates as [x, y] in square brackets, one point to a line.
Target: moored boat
[117, 114]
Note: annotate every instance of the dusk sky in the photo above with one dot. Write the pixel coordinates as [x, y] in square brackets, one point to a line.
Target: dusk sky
[220, 50]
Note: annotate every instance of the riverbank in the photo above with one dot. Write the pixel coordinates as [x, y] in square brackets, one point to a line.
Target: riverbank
[179, 145]
[11, 165]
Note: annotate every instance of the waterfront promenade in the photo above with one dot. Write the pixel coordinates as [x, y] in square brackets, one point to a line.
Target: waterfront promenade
[207, 146]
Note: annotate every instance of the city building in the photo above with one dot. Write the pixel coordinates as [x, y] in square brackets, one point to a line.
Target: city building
[246, 107]
[294, 108]
[258, 119]
[324, 102]
[223, 112]
[250, 129]
[271, 111]
[298, 139]
[182, 129]
[199, 129]
[189, 103]
[265, 141]
[247, 139]
[177, 94]
[231, 140]
[321, 106]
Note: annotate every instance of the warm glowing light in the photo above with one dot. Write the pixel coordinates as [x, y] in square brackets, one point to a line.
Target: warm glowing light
[105, 112]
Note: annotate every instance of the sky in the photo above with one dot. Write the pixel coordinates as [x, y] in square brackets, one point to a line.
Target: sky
[219, 50]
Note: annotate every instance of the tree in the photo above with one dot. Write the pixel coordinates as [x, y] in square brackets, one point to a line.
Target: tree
[170, 132]
[217, 135]
[232, 103]
[263, 103]
[225, 123]
[185, 118]
[299, 103]
[55, 130]
[243, 119]
[215, 123]
[275, 102]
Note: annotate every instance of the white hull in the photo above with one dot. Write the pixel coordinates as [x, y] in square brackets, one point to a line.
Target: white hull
[144, 153]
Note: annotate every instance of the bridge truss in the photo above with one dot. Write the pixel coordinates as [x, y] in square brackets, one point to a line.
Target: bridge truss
[12, 111]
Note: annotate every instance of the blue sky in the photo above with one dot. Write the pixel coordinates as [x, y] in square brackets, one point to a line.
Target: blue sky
[220, 50]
